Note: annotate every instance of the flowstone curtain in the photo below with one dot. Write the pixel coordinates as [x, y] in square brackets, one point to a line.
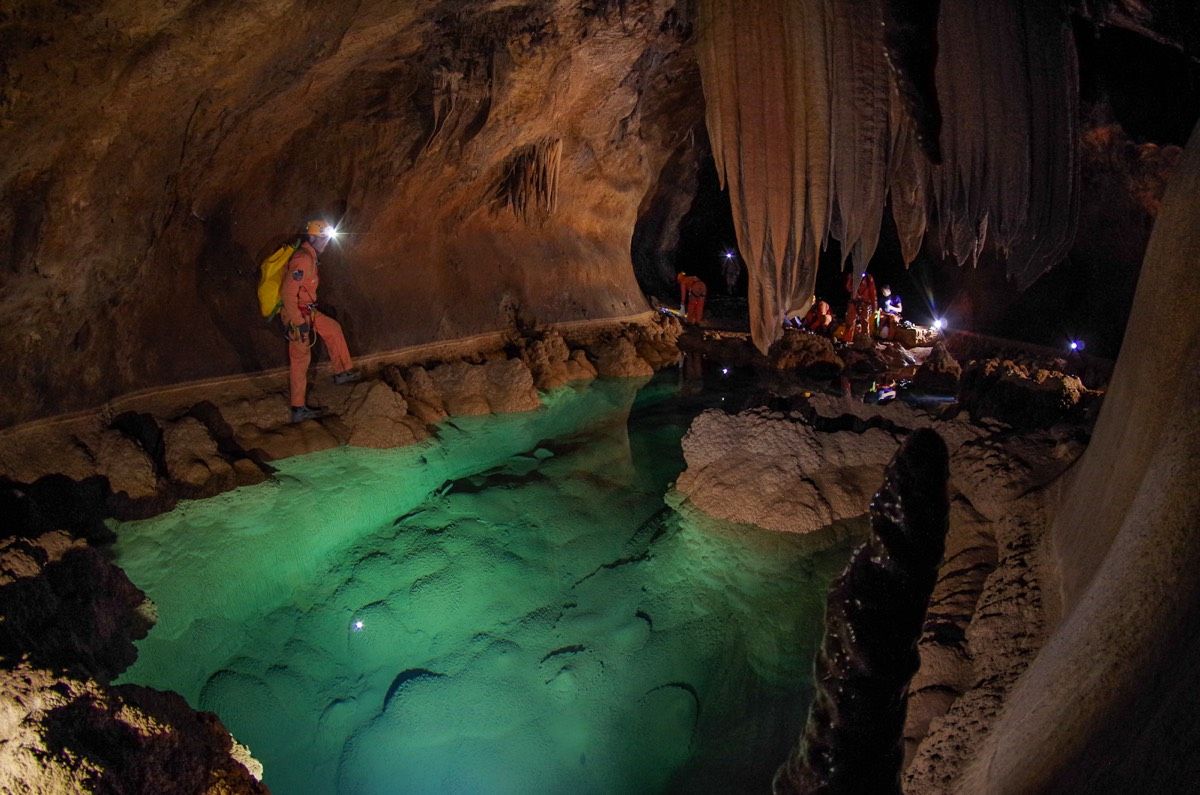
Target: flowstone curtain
[811, 134]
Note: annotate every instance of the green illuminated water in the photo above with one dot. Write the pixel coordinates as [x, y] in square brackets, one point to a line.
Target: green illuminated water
[534, 617]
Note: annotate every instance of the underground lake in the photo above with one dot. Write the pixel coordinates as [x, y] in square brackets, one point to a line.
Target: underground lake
[516, 606]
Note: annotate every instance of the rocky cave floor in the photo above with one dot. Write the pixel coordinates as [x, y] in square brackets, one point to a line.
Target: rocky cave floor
[799, 456]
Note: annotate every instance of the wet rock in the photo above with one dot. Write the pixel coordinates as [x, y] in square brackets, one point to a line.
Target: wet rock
[284, 441]
[547, 357]
[852, 740]
[193, 460]
[498, 386]
[617, 357]
[67, 734]
[64, 605]
[805, 352]
[939, 372]
[658, 342]
[424, 400]
[1022, 394]
[780, 473]
[378, 417]
[580, 368]
[510, 387]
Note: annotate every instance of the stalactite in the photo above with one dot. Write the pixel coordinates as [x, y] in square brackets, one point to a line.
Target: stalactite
[765, 71]
[873, 618]
[529, 182]
[817, 109]
[910, 36]
[1054, 165]
[860, 133]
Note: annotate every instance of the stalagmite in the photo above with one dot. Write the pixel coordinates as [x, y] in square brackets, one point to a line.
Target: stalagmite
[819, 109]
[873, 618]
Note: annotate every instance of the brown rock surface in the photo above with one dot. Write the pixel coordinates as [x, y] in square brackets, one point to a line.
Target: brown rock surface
[64, 734]
[64, 605]
[617, 357]
[1022, 394]
[939, 372]
[192, 456]
[165, 151]
[804, 351]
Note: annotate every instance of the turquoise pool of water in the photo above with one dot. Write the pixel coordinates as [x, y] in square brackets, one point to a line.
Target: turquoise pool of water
[512, 608]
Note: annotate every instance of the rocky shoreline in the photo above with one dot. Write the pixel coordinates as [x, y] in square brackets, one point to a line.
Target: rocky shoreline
[69, 616]
[802, 463]
[808, 461]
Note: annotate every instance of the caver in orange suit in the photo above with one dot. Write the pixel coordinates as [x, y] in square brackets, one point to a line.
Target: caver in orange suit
[302, 318]
[862, 306]
[696, 293]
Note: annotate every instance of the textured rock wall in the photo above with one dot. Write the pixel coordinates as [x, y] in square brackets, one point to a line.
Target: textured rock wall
[159, 152]
[1115, 669]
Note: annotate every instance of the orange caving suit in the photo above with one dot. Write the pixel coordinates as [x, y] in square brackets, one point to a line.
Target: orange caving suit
[299, 298]
[862, 306]
[696, 293]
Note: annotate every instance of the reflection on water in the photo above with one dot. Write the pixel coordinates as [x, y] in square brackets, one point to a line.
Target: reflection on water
[514, 608]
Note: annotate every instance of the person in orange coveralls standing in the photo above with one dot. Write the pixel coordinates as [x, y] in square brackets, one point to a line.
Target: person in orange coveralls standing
[860, 313]
[302, 319]
[696, 293]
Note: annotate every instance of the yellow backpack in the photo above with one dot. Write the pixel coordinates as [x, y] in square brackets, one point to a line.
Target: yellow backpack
[270, 279]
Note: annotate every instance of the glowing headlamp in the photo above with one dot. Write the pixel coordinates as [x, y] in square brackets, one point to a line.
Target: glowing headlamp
[939, 324]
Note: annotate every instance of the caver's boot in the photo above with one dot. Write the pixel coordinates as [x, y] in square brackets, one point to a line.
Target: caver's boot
[347, 377]
[302, 413]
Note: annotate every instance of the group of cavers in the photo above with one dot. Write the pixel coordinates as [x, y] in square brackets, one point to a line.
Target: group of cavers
[288, 288]
[875, 313]
[870, 312]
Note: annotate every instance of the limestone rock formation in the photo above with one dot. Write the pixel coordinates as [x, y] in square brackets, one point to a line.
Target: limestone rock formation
[939, 372]
[410, 124]
[779, 472]
[192, 456]
[1022, 394]
[548, 358]
[804, 352]
[378, 417]
[618, 357]
[497, 386]
[66, 734]
[811, 131]
[422, 396]
[873, 615]
[63, 605]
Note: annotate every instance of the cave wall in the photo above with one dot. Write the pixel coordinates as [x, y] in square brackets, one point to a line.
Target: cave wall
[1109, 703]
[156, 154]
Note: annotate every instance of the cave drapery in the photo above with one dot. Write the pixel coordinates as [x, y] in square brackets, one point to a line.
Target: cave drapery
[811, 136]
